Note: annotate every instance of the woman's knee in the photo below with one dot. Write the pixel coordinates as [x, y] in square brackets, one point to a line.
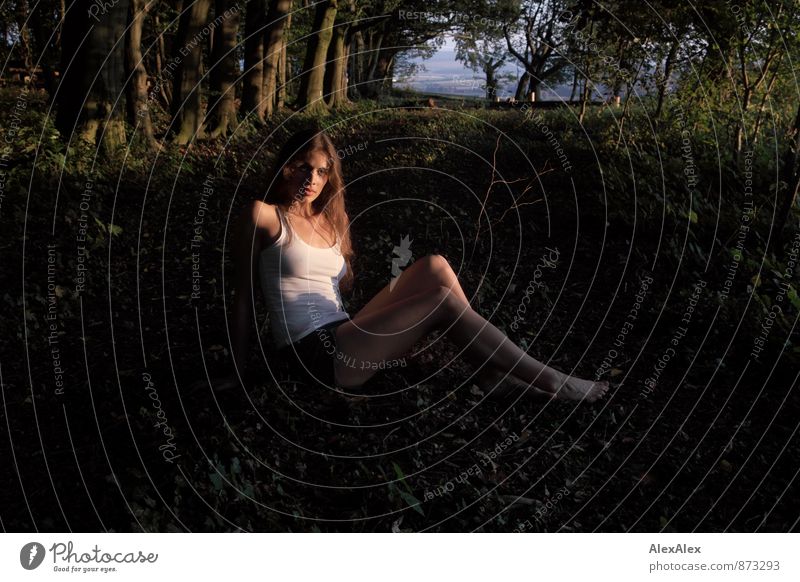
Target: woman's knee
[449, 304]
[437, 264]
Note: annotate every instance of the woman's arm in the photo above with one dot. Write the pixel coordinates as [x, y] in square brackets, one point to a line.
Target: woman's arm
[254, 222]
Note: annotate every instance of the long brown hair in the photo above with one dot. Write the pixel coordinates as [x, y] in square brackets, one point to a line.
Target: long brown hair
[330, 202]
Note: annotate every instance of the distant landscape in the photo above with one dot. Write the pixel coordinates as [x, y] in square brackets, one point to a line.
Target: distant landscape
[445, 75]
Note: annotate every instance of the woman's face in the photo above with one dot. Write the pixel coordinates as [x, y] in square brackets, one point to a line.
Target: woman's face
[307, 176]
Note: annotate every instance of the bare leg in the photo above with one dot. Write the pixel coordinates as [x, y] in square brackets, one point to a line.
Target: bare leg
[389, 332]
[431, 271]
[484, 343]
[499, 384]
[424, 274]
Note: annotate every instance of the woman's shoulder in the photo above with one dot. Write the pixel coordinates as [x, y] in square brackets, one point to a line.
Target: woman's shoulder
[263, 217]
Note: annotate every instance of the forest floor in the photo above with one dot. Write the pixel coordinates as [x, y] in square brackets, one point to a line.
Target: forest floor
[710, 446]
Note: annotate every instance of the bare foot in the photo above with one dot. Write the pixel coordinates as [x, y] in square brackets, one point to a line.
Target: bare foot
[499, 384]
[573, 388]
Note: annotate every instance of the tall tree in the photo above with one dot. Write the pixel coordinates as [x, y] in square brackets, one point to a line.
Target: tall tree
[138, 103]
[789, 183]
[24, 47]
[368, 41]
[335, 85]
[92, 73]
[187, 108]
[221, 115]
[482, 52]
[253, 81]
[759, 46]
[536, 24]
[280, 99]
[277, 17]
[388, 28]
[310, 96]
[45, 22]
[160, 59]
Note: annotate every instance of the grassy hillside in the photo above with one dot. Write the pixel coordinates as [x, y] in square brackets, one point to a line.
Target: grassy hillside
[696, 433]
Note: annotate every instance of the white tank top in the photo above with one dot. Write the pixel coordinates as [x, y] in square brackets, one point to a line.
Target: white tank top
[300, 285]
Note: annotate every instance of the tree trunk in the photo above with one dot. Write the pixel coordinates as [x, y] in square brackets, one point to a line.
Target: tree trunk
[310, 96]
[522, 86]
[355, 65]
[24, 36]
[745, 102]
[46, 43]
[335, 88]
[760, 115]
[273, 51]
[739, 133]
[165, 89]
[790, 175]
[138, 99]
[282, 73]
[93, 67]
[187, 115]
[584, 99]
[574, 85]
[388, 79]
[376, 82]
[491, 81]
[626, 109]
[344, 79]
[253, 60]
[367, 72]
[668, 65]
[68, 98]
[222, 108]
[535, 90]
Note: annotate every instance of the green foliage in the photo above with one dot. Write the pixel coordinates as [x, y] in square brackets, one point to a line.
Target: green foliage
[404, 492]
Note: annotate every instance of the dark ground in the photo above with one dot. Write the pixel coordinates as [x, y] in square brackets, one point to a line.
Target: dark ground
[713, 447]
